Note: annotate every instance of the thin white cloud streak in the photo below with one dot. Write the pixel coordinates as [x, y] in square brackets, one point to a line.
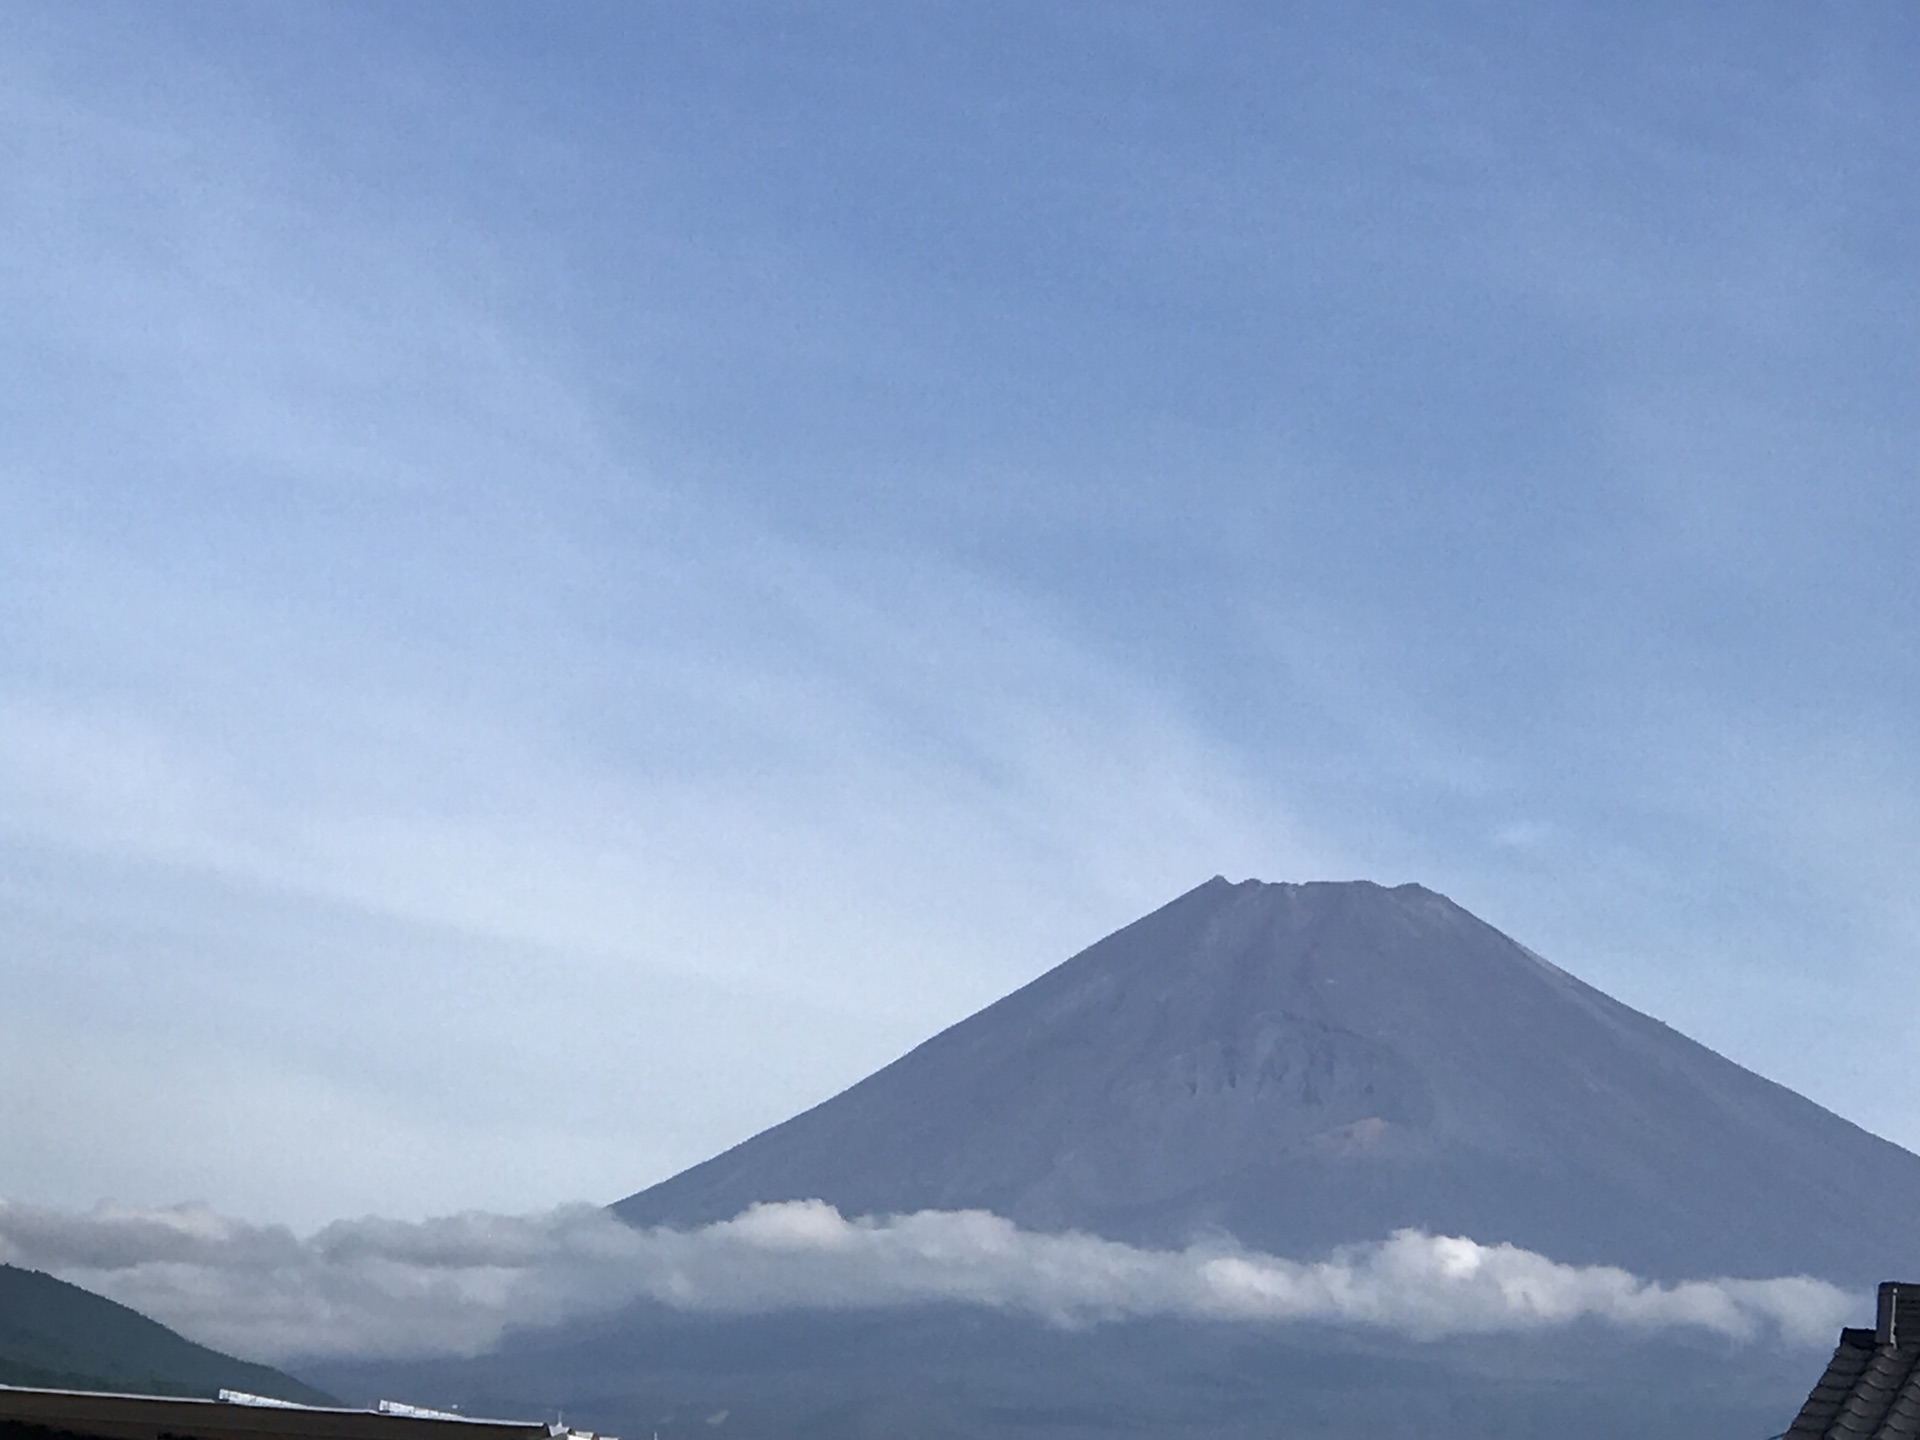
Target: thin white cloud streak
[455, 1284]
[441, 657]
[675, 744]
[760, 684]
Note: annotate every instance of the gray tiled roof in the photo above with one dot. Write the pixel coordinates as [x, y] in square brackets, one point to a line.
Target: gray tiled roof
[1871, 1388]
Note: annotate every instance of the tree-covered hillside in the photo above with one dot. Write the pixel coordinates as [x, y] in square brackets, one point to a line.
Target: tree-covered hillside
[59, 1336]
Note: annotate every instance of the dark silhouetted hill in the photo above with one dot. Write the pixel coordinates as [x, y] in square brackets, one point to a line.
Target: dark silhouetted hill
[57, 1336]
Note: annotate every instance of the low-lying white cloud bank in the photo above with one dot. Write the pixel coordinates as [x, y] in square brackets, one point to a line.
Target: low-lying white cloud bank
[453, 1285]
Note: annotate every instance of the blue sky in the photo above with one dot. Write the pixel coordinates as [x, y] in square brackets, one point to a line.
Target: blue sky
[576, 578]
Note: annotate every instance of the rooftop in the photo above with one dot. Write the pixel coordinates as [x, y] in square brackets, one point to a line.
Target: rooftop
[1871, 1388]
[36, 1414]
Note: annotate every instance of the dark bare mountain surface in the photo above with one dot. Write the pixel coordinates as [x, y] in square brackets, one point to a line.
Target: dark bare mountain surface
[1306, 1065]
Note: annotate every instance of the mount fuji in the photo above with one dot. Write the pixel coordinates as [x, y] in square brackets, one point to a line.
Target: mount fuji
[1297, 1067]
[1302, 1066]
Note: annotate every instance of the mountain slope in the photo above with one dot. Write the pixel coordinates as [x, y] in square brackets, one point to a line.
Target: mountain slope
[1307, 1065]
[962, 1374]
[57, 1336]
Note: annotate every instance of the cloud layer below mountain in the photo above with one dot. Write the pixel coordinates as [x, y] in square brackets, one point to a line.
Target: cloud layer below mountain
[453, 1285]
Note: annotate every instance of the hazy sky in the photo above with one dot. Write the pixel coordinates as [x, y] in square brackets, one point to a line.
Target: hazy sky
[574, 578]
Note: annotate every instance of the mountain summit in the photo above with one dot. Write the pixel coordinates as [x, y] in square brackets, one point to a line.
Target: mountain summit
[1307, 1065]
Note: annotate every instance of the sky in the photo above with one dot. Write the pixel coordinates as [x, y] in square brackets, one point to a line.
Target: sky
[574, 579]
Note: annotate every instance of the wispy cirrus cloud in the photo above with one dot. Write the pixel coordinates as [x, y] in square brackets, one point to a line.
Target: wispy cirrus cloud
[364, 672]
[492, 570]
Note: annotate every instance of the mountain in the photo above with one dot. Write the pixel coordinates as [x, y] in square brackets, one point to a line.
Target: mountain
[57, 1336]
[949, 1373]
[1301, 1066]
[1307, 1065]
